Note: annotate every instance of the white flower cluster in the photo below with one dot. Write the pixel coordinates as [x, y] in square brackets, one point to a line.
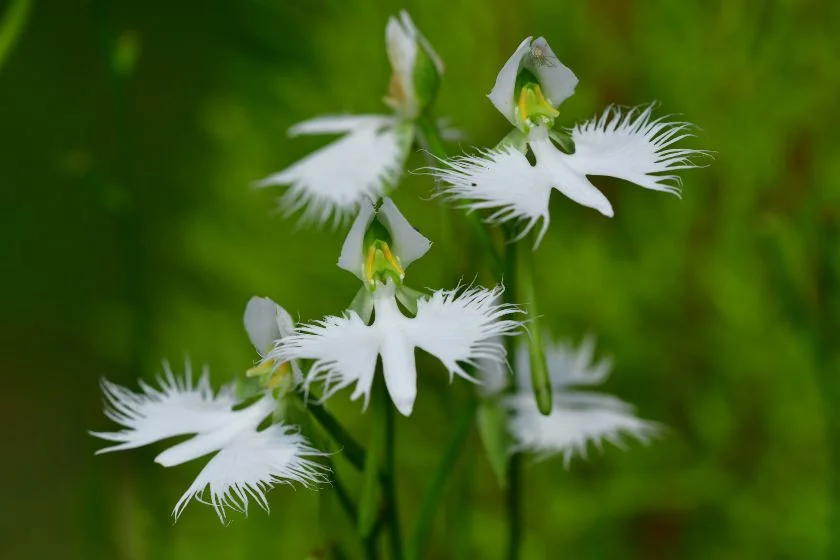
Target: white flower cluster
[387, 321]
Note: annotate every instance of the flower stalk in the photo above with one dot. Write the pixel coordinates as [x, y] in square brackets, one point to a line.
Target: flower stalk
[540, 380]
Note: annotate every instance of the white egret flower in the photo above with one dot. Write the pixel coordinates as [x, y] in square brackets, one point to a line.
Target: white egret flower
[456, 326]
[628, 144]
[247, 461]
[329, 184]
[578, 417]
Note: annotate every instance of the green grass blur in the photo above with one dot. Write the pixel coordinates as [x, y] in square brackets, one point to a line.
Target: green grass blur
[130, 233]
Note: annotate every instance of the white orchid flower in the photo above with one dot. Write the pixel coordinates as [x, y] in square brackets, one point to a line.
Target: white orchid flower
[366, 162]
[456, 326]
[578, 418]
[247, 462]
[627, 144]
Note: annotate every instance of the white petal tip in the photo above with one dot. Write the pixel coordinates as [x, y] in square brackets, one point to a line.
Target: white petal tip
[404, 406]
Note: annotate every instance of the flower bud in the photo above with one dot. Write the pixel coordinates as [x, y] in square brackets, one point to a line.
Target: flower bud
[416, 68]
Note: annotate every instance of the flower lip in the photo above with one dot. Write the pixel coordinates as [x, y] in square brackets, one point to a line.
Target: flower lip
[556, 80]
[246, 462]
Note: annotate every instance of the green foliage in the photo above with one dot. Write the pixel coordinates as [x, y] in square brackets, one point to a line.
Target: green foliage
[131, 233]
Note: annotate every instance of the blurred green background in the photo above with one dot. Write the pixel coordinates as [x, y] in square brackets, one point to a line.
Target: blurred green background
[130, 233]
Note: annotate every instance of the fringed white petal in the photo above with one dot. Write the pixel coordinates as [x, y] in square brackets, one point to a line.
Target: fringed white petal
[502, 180]
[576, 420]
[457, 327]
[179, 407]
[248, 462]
[344, 351]
[408, 243]
[629, 144]
[463, 326]
[252, 464]
[502, 94]
[352, 256]
[329, 184]
[265, 322]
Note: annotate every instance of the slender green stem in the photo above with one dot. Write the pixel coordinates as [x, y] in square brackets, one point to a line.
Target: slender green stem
[344, 498]
[351, 449]
[389, 483]
[512, 483]
[12, 26]
[513, 501]
[419, 537]
[540, 380]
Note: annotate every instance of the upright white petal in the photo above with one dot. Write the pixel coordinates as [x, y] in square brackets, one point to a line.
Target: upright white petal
[401, 43]
[252, 464]
[352, 258]
[329, 184]
[630, 145]
[177, 408]
[265, 322]
[404, 43]
[408, 243]
[502, 94]
[557, 81]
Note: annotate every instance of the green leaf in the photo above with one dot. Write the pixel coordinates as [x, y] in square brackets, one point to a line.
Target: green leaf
[493, 429]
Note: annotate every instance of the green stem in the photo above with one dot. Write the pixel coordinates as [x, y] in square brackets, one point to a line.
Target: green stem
[12, 26]
[513, 482]
[389, 482]
[513, 503]
[351, 449]
[540, 380]
[420, 535]
[344, 498]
